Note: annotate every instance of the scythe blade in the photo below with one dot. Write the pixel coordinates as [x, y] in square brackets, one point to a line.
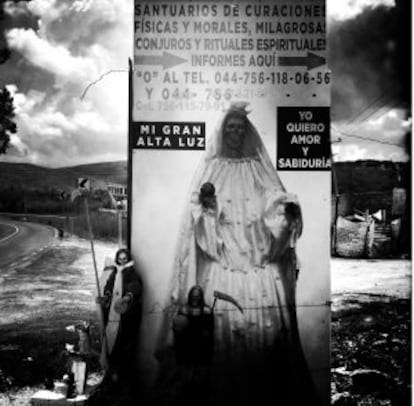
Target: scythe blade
[227, 298]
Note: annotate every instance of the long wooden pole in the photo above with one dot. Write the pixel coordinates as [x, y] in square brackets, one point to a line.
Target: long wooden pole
[88, 221]
[119, 228]
[101, 313]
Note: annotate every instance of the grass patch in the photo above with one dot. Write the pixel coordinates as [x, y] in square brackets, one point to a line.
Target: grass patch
[374, 336]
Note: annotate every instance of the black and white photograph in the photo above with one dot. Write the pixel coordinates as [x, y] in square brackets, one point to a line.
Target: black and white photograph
[205, 201]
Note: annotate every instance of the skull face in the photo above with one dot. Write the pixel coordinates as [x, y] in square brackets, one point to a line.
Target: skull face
[195, 297]
[234, 131]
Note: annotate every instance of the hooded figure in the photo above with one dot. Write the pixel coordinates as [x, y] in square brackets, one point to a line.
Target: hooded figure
[121, 305]
[193, 330]
[238, 237]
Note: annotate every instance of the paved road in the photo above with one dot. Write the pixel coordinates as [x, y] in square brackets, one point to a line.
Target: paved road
[376, 277]
[26, 240]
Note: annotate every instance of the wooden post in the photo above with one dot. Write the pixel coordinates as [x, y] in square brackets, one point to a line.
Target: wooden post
[101, 313]
[88, 221]
[119, 227]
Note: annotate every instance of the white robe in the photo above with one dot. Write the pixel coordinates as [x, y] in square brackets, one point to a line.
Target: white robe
[245, 249]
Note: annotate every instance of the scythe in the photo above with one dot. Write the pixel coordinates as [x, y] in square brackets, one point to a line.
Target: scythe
[227, 298]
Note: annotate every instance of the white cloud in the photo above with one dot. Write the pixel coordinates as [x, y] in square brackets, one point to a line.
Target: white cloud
[18, 149]
[46, 10]
[391, 120]
[406, 125]
[48, 137]
[348, 152]
[353, 152]
[54, 58]
[15, 9]
[345, 9]
[78, 41]
[81, 5]
[381, 138]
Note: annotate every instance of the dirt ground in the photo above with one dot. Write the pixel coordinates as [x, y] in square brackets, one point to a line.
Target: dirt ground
[370, 324]
[371, 332]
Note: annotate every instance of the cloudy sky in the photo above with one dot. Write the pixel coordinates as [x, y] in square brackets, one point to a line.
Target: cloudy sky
[369, 55]
[59, 47]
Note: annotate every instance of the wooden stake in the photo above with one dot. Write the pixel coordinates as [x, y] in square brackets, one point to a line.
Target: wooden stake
[101, 313]
[119, 228]
[88, 221]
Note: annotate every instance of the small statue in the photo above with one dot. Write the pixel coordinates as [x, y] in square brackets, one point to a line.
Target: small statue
[193, 329]
[121, 307]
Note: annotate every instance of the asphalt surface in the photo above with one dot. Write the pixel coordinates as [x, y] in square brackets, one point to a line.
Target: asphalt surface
[24, 241]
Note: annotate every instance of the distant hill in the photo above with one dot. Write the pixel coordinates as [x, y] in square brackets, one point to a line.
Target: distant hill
[371, 176]
[33, 177]
[353, 177]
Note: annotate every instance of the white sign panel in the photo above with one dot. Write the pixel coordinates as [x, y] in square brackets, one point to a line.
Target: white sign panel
[230, 213]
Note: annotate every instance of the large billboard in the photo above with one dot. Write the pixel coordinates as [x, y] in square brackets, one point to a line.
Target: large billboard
[230, 201]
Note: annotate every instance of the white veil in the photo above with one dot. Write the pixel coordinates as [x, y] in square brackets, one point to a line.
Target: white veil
[253, 146]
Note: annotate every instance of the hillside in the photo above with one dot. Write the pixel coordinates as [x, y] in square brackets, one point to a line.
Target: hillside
[353, 177]
[371, 176]
[32, 177]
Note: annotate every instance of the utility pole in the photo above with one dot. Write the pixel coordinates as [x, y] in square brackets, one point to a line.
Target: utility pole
[336, 191]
